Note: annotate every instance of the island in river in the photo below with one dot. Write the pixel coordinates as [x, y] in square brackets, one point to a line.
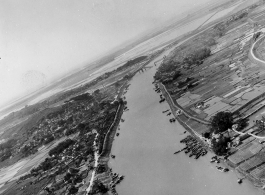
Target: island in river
[63, 145]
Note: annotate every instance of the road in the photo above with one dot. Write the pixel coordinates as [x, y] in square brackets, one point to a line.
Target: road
[253, 58]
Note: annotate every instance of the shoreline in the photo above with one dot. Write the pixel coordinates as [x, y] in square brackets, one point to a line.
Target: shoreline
[227, 163]
[173, 110]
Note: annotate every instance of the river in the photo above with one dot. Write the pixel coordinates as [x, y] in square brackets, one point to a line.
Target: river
[144, 152]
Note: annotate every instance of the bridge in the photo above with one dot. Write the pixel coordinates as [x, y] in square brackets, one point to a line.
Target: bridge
[144, 68]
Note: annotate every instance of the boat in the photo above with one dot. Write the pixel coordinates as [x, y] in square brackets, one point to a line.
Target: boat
[239, 181]
[214, 157]
[187, 151]
[220, 168]
[212, 161]
[197, 156]
[112, 156]
[180, 150]
[117, 134]
[121, 177]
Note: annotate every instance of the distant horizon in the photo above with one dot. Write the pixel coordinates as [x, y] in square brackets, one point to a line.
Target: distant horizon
[99, 56]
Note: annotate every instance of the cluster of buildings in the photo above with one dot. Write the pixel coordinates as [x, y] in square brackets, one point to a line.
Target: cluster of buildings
[68, 167]
[56, 125]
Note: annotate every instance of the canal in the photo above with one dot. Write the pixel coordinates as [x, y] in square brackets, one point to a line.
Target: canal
[144, 152]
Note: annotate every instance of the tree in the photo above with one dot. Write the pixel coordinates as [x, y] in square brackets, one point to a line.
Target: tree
[97, 91]
[73, 190]
[206, 135]
[117, 84]
[221, 122]
[81, 126]
[70, 132]
[220, 145]
[242, 123]
[99, 187]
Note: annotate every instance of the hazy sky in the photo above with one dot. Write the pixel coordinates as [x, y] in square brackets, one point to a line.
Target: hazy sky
[42, 39]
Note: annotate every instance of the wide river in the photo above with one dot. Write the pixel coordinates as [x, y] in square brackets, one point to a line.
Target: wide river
[144, 152]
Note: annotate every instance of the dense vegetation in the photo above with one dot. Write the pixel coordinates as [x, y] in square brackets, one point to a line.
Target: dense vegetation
[61, 147]
[221, 122]
[6, 149]
[85, 96]
[220, 146]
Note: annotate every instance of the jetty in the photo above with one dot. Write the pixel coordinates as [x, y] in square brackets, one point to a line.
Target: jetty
[193, 146]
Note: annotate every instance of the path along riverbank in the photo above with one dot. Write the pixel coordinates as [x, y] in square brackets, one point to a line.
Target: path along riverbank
[95, 165]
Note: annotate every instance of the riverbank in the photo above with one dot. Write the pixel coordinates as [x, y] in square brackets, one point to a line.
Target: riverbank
[145, 151]
[227, 80]
[202, 140]
[175, 109]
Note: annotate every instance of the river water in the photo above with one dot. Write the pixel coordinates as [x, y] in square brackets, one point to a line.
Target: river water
[144, 152]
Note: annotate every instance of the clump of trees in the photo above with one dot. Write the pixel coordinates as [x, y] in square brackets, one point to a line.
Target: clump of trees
[85, 96]
[197, 57]
[70, 131]
[242, 123]
[6, 149]
[99, 187]
[47, 164]
[131, 62]
[61, 147]
[8, 144]
[49, 138]
[73, 190]
[191, 56]
[27, 150]
[221, 122]
[220, 146]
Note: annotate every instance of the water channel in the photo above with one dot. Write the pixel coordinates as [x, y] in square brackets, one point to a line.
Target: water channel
[144, 152]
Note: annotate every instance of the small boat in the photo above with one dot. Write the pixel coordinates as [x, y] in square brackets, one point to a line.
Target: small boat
[220, 168]
[112, 156]
[165, 111]
[214, 157]
[187, 151]
[117, 134]
[226, 169]
[121, 177]
[197, 156]
[212, 161]
[239, 181]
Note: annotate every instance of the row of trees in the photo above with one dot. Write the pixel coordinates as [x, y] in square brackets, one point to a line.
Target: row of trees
[61, 147]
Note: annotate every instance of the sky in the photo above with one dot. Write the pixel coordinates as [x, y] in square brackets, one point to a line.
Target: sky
[41, 40]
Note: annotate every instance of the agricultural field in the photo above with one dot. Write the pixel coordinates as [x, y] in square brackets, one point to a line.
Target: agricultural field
[229, 78]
